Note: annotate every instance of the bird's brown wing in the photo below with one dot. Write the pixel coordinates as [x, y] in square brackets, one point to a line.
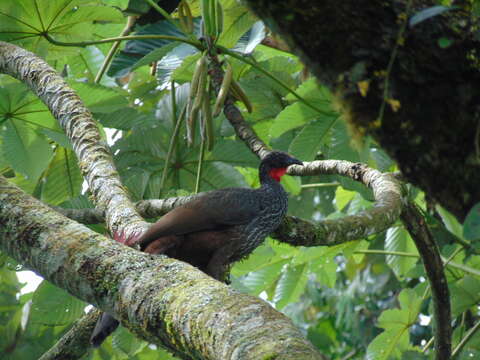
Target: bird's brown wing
[214, 209]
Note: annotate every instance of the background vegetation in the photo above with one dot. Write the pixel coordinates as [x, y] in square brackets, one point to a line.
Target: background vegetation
[363, 299]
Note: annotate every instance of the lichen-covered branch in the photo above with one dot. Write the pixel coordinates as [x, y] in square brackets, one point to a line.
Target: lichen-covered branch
[385, 211]
[159, 299]
[72, 345]
[423, 238]
[95, 159]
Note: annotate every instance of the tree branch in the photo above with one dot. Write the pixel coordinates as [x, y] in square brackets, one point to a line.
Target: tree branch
[161, 300]
[385, 211]
[423, 238]
[243, 130]
[94, 156]
[71, 346]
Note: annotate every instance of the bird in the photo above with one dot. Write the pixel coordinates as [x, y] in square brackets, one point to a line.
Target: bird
[217, 228]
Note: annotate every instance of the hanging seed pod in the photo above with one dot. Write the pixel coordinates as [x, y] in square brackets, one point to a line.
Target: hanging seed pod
[224, 89]
[198, 78]
[208, 123]
[240, 95]
[206, 16]
[185, 17]
[218, 18]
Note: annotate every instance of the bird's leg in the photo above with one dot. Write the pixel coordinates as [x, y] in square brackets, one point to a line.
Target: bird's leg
[219, 265]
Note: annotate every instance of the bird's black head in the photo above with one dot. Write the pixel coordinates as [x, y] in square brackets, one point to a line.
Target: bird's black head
[275, 164]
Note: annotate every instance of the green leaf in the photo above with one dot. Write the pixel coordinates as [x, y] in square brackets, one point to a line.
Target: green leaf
[183, 68]
[396, 322]
[122, 4]
[382, 160]
[444, 42]
[136, 180]
[87, 63]
[221, 175]
[99, 98]
[155, 55]
[174, 60]
[415, 354]
[266, 103]
[261, 257]
[233, 152]
[290, 285]
[311, 90]
[257, 281]
[237, 20]
[410, 304]
[126, 119]
[136, 49]
[322, 263]
[126, 343]
[451, 223]
[54, 306]
[18, 102]
[63, 179]
[309, 140]
[284, 69]
[26, 151]
[398, 240]
[291, 117]
[340, 146]
[57, 136]
[292, 184]
[25, 21]
[471, 226]
[343, 197]
[387, 345]
[464, 294]
[249, 41]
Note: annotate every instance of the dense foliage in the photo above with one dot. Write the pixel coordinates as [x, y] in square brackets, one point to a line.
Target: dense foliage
[367, 298]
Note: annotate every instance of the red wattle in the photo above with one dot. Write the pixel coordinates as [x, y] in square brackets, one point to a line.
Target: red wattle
[277, 173]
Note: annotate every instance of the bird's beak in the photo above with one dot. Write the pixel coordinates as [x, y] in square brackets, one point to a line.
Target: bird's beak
[294, 161]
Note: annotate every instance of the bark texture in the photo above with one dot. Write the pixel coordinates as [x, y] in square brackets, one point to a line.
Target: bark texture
[386, 210]
[161, 300]
[95, 159]
[434, 267]
[434, 133]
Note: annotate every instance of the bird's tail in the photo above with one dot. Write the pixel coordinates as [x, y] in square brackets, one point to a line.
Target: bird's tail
[104, 327]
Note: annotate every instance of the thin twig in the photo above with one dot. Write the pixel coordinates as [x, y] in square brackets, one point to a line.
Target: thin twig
[113, 49]
[332, 184]
[171, 147]
[124, 38]
[465, 339]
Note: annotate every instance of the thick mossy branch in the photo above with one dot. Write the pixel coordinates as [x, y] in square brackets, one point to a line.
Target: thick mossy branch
[161, 300]
[95, 159]
[385, 211]
[430, 125]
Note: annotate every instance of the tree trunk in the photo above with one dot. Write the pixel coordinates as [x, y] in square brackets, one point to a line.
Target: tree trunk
[416, 89]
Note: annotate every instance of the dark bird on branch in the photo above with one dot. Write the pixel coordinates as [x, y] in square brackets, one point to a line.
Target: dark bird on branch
[218, 227]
